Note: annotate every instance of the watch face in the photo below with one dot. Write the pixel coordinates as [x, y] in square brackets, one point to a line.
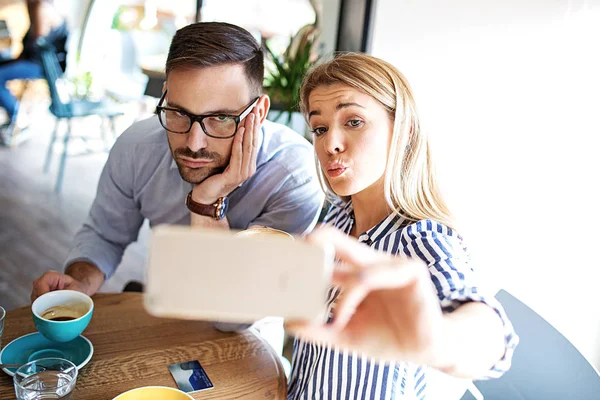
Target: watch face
[222, 209]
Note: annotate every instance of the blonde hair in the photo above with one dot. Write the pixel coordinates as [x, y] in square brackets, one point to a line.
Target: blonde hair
[410, 187]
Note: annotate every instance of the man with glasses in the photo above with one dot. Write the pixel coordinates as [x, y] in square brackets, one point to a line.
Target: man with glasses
[208, 158]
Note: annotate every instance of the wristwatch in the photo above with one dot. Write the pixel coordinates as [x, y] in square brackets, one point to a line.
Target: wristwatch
[217, 210]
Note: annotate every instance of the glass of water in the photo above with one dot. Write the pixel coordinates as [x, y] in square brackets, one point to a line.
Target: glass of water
[46, 378]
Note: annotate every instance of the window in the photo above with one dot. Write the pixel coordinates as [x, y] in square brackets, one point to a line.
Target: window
[272, 20]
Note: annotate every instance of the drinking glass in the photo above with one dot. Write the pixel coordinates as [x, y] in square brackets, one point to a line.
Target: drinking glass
[46, 378]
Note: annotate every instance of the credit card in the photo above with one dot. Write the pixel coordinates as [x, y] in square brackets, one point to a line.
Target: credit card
[190, 376]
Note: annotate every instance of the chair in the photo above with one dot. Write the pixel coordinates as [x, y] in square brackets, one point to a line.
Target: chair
[545, 366]
[68, 109]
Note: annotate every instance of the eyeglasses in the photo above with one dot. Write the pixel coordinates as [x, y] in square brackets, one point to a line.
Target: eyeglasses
[218, 126]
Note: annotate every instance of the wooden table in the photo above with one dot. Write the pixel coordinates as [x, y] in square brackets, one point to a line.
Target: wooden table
[133, 349]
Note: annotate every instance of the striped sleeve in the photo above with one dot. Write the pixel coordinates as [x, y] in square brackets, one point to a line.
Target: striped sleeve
[454, 279]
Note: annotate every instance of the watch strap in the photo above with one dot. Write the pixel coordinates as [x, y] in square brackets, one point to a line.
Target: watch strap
[207, 210]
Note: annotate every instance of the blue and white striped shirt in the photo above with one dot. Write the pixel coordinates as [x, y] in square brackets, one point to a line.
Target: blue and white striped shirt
[325, 372]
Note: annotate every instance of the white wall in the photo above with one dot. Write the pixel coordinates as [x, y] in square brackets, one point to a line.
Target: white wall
[510, 92]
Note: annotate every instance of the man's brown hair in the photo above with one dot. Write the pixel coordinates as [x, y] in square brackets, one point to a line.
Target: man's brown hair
[207, 44]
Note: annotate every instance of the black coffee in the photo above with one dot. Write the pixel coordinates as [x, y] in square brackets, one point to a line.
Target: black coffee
[62, 319]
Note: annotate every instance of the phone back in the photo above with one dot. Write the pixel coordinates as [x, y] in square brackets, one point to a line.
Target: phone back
[217, 275]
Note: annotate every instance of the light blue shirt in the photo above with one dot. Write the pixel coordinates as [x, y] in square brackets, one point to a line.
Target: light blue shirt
[140, 180]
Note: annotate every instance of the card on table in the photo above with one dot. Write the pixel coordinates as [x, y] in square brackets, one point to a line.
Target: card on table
[190, 376]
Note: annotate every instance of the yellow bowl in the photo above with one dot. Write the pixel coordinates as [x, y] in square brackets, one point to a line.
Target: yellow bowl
[154, 393]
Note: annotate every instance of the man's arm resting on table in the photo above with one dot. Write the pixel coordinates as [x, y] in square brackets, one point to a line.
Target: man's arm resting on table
[88, 275]
[80, 276]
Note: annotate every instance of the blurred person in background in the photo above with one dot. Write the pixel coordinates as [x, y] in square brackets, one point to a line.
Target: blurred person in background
[47, 28]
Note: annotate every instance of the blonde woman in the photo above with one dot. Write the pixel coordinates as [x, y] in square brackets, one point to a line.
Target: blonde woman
[406, 297]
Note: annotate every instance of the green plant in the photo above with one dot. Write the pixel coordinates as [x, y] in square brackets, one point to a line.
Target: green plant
[285, 73]
[82, 83]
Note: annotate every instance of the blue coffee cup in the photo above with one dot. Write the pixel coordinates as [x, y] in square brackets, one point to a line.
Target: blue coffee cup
[62, 315]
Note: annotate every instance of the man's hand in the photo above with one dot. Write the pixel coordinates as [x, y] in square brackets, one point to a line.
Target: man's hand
[54, 280]
[242, 163]
[80, 276]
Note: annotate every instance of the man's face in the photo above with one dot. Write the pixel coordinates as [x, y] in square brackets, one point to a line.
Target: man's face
[214, 90]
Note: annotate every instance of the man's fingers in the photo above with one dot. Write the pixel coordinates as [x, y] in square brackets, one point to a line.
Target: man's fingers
[248, 146]
[235, 161]
[50, 281]
[247, 143]
[257, 126]
[44, 283]
[255, 145]
[249, 128]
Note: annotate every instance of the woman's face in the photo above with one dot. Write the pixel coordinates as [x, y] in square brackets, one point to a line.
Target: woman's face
[352, 133]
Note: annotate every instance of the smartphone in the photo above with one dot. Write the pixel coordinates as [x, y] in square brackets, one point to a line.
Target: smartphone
[218, 275]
